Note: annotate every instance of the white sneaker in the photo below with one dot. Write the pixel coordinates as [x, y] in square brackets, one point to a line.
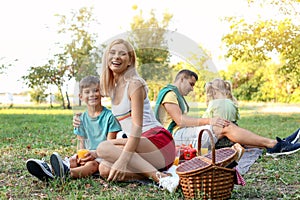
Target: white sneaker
[169, 182]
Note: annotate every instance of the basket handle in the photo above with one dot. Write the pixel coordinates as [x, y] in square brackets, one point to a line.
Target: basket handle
[211, 142]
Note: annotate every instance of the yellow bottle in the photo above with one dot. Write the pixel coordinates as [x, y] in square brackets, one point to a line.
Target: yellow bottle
[204, 151]
[176, 161]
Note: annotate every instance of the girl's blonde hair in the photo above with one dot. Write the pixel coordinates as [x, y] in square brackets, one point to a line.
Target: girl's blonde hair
[219, 86]
[107, 78]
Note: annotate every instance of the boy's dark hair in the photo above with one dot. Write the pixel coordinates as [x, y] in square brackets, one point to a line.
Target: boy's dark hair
[186, 73]
[87, 81]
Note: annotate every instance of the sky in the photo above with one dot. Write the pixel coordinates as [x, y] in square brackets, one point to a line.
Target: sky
[29, 28]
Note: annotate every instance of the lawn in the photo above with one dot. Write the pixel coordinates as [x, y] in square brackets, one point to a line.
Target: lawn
[36, 132]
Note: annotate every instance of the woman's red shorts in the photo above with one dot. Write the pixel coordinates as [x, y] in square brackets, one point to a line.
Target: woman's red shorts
[163, 140]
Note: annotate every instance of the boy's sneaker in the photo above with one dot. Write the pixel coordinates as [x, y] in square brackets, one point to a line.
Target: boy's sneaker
[283, 148]
[61, 168]
[39, 169]
[294, 137]
[169, 182]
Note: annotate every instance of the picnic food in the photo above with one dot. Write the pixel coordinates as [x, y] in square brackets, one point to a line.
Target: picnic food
[81, 153]
[189, 152]
[185, 152]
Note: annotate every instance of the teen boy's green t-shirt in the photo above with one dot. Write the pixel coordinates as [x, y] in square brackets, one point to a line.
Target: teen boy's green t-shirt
[96, 129]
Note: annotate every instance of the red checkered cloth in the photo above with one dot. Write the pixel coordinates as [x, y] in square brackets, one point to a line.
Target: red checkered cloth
[239, 180]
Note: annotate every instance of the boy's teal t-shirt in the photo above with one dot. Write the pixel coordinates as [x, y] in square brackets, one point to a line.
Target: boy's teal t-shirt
[96, 129]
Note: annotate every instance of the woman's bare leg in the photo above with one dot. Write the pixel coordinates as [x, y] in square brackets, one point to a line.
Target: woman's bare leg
[145, 162]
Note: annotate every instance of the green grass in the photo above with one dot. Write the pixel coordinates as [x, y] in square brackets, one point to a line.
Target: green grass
[37, 132]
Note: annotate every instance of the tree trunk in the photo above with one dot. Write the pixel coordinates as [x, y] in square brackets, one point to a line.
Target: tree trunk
[51, 106]
[69, 105]
[79, 101]
[62, 97]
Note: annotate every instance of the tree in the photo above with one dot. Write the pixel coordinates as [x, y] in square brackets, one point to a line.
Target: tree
[40, 77]
[79, 57]
[81, 53]
[246, 78]
[260, 41]
[152, 52]
[155, 44]
[151, 48]
[38, 95]
[199, 64]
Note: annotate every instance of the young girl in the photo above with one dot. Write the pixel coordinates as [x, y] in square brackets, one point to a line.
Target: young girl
[220, 101]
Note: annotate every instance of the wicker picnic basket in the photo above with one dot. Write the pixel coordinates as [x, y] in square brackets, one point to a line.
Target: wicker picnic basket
[205, 177]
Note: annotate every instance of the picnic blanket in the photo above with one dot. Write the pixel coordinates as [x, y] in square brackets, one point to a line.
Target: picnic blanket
[248, 159]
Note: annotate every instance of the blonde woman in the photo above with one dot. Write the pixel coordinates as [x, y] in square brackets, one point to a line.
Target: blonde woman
[149, 148]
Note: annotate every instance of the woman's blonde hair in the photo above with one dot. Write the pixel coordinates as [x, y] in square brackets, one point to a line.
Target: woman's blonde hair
[107, 77]
[221, 86]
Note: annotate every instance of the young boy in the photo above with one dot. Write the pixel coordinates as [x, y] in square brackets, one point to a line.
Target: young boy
[97, 124]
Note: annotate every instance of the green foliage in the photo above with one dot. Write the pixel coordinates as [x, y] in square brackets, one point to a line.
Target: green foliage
[38, 96]
[40, 77]
[45, 75]
[259, 82]
[147, 36]
[261, 40]
[257, 44]
[79, 58]
[245, 78]
[81, 54]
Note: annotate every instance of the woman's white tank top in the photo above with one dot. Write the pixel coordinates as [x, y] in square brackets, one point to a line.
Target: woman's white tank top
[122, 112]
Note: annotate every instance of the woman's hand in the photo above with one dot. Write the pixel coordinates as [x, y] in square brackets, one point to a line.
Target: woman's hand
[76, 120]
[217, 121]
[118, 170]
